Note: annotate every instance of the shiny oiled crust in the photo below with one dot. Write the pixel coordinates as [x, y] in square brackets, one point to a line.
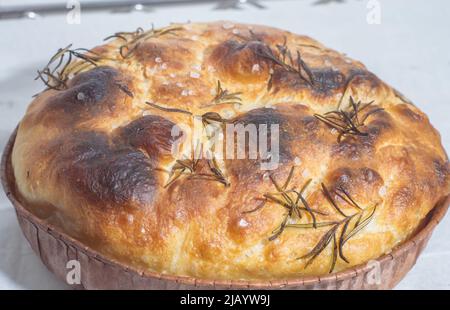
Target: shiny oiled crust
[96, 163]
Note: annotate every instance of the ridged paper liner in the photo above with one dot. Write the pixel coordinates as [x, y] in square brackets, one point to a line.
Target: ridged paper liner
[55, 249]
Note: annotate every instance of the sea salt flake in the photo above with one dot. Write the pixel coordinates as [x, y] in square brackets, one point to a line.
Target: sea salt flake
[243, 223]
[164, 66]
[256, 68]
[130, 218]
[81, 96]
[382, 191]
[179, 84]
[305, 173]
[297, 161]
[158, 60]
[195, 75]
[235, 31]
[185, 92]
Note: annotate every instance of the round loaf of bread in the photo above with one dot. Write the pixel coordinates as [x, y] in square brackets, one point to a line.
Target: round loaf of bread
[108, 153]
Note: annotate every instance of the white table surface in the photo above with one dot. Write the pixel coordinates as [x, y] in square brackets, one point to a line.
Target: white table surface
[409, 50]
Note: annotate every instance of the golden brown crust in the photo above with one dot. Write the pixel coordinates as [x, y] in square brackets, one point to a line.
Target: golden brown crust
[99, 161]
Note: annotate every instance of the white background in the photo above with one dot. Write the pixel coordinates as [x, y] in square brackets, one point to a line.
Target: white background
[410, 50]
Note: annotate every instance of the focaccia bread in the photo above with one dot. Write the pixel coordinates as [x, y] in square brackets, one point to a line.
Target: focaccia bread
[358, 166]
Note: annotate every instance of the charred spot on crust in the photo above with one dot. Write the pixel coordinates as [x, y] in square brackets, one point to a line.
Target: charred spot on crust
[363, 182]
[103, 173]
[406, 111]
[403, 198]
[268, 117]
[151, 133]
[284, 79]
[357, 146]
[296, 128]
[327, 80]
[358, 76]
[353, 148]
[90, 93]
[441, 170]
[176, 54]
[236, 59]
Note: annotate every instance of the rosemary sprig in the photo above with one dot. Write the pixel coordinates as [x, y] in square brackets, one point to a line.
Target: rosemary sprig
[224, 97]
[349, 122]
[213, 118]
[215, 174]
[183, 166]
[171, 110]
[189, 167]
[207, 118]
[134, 38]
[62, 66]
[283, 58]
[125, 89]
[341, 231]
[123, 35]
[290, 199]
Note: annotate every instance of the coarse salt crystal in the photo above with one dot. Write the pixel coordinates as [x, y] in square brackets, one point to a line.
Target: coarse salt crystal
[195, 75]
[184, 92]
[158, 60]
[243, 223]
[81, 96]
[256, 68]
[130, 218]
[382, 191]
[172, 75]
[179, 84]
[164, 66]
[297, 161]
[235, 31]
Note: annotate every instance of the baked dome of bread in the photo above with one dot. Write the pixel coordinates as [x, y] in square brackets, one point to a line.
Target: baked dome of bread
[359, 165]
